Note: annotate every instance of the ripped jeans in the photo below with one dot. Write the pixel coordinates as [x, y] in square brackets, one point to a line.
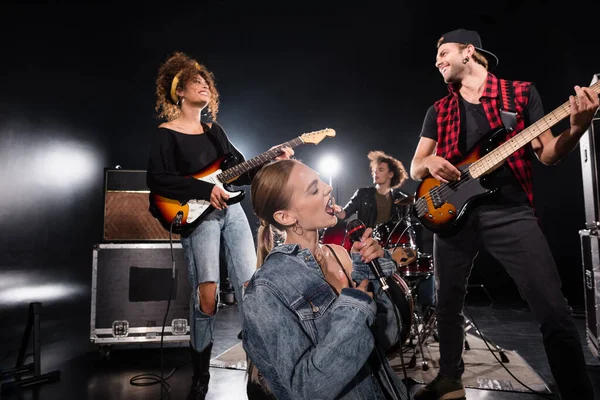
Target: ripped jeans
[224, 231]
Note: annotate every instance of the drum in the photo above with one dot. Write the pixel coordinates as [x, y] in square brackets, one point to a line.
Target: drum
[395, 234]
[404, 256]
[403, 300]
[399, 238]
[422, 266]
[337, 235]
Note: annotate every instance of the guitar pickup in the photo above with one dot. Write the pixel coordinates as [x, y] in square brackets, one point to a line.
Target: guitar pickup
[436, 198]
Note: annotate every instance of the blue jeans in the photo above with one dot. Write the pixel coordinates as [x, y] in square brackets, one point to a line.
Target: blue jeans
[225, 231]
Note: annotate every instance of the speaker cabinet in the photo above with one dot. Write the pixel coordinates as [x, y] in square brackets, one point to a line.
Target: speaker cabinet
[126, 214]
[590, 255]
[589, 148]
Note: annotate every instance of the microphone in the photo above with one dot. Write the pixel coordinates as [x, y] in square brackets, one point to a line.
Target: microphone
[355, 229]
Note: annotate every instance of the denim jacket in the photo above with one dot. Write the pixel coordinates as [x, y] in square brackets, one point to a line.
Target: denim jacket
[308, 342]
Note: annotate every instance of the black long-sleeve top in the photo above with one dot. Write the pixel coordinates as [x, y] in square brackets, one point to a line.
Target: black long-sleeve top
[174, 156]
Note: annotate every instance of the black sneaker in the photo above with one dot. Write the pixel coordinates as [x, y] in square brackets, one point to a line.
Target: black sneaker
[442, 389]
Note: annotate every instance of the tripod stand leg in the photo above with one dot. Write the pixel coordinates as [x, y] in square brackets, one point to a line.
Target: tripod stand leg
[469, 325]
[424, 363]
[33, 322]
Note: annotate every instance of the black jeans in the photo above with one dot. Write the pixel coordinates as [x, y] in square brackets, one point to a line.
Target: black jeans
[512, 235]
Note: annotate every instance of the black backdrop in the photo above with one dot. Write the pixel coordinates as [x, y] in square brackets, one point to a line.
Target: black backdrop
[77, 96]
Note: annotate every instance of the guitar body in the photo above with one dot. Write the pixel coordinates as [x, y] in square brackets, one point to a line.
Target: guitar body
[183, 218]
[443, 208]
[193, 212]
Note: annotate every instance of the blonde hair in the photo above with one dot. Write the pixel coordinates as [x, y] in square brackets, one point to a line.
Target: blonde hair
[269, 194]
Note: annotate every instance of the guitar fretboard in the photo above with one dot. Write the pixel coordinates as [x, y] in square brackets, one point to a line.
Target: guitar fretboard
[488, 162]
[240, 169]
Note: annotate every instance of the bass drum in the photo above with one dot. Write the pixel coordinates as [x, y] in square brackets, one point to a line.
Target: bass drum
[421, 267]
[403, 300]
[337, 235]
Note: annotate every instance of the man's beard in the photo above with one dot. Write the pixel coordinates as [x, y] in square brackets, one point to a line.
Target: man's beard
[454, 76]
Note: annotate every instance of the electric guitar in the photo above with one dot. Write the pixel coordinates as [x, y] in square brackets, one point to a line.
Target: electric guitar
[182, 218]
[442, 208]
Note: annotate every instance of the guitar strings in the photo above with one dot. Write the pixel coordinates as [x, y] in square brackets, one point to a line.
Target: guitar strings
[445, 188]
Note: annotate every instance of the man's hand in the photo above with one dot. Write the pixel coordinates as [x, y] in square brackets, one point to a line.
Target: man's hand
[583, 107]
[441, 169]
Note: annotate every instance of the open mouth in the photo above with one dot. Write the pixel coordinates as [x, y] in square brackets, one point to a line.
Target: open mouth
[329, 207]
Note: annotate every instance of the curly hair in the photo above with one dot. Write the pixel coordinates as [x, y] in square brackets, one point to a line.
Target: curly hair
[189, 68]
[395, 166]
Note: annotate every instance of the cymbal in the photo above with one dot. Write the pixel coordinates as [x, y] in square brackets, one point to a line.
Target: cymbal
[407, 201]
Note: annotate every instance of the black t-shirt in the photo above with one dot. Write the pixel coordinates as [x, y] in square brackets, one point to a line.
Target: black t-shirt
[474, 126]
[175, 156]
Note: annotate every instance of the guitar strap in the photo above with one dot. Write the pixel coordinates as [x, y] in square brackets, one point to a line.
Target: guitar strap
[508, 111]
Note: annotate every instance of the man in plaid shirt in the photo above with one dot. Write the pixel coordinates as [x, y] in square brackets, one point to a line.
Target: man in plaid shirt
[506, 227]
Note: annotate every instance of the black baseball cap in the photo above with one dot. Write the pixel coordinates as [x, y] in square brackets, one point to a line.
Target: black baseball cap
[464, 36]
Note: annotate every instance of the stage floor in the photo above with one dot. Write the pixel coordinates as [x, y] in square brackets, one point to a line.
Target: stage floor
[87, 375]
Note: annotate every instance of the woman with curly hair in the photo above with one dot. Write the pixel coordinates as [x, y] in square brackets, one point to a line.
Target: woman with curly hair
[183, 145]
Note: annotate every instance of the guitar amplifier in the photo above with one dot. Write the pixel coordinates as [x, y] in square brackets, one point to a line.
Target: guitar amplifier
[126, 214]
[590, 255]
[131, 283]
[589, 148]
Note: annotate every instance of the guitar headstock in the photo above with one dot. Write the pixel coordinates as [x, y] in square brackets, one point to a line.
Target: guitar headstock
[316, 136]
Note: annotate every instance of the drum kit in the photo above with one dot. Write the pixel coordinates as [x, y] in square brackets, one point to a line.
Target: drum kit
[413, 267]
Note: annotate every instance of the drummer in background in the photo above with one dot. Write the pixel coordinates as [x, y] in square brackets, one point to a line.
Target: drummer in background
[385, 203]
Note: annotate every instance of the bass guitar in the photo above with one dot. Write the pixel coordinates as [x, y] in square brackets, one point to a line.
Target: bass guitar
[442, 208]
[182, 218]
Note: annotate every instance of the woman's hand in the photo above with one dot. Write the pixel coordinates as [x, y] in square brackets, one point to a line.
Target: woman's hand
[218, 198]
[364, 286]
[368, 247]
[286, 153]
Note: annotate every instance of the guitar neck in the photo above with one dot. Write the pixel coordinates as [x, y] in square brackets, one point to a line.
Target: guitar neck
[491, 160]
[240, 169]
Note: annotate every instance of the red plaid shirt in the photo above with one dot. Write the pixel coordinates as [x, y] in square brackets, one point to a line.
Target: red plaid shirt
[448, 123]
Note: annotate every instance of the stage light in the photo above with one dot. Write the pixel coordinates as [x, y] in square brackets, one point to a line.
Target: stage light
[41, 293]
[64, 164]
[329, 166]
